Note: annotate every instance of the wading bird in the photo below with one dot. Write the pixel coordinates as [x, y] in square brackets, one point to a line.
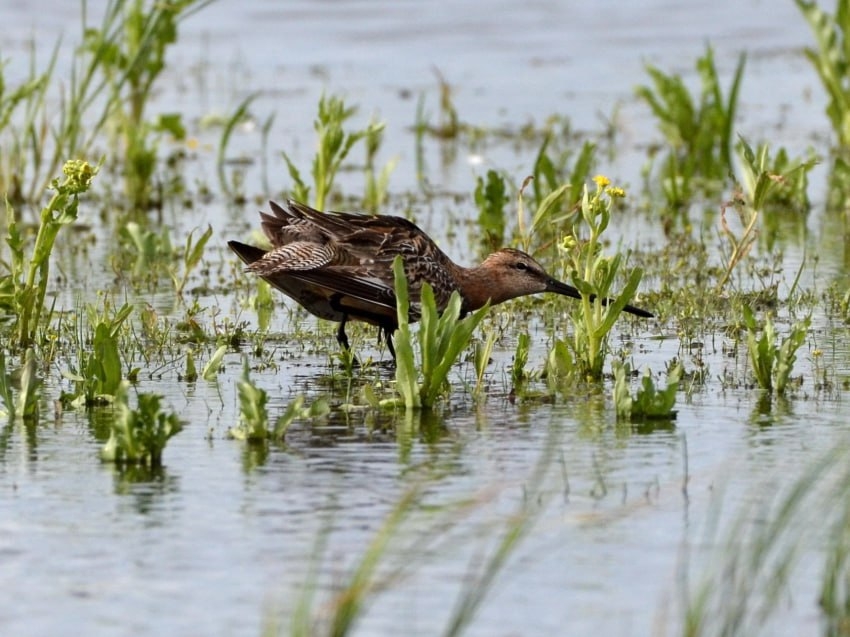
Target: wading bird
[339, 267]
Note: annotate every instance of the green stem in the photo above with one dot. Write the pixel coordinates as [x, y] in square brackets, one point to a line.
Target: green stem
[32, 300]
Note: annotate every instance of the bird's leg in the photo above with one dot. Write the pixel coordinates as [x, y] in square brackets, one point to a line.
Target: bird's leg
[388, 335]
[342, 339]
[341, 336]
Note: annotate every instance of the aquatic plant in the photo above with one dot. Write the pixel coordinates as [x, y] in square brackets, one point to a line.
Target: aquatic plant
[550, 172]
[448, 126]
[765, 188]
[649, 402]
[192, 254]
[747, 575]
[519, 374]
[253, 424]
[739, 243]
[773, 182]
[6, 394]
[132, 45]
[593, 274]
[482, 358]
[190, 373]
[154, 254]
[334, 144]
[516, 527]
[152, 250]
[835, 585]
[442, 339]
[831, 60]
[491, 197]
[39, 130]
[213, 365]
[377, 181]
[23, 289]
[773, 361]
[253, 414]
[26, 406]
[554, 199]
[241, 114]
[698, 129]
[139, 436]
[98, 375]
[16, 150]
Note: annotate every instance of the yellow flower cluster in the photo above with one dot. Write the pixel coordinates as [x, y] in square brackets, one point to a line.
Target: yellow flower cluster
[602, 181]
[78, 175]
[568, 243]
[604, 184]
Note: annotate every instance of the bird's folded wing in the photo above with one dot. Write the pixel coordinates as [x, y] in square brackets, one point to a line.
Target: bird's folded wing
[348, 282]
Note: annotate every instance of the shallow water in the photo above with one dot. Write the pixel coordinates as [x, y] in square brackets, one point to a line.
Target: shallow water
[221, 541]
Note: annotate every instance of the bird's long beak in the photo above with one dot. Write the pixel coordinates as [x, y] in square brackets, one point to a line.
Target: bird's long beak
[553, 285]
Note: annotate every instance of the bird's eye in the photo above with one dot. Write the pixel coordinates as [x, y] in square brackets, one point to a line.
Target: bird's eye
[521, 266]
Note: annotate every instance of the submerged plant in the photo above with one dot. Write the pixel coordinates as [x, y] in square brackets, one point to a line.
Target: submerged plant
[773, 361]
[650, 402]
[442, 339]
[23, 289]
[139, 436]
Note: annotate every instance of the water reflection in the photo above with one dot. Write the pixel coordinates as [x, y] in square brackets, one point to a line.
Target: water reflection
[29, 433]
[770, 410]
[147, 487]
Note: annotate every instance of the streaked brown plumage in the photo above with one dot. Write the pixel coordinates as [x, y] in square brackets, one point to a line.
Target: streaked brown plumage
[339, 267]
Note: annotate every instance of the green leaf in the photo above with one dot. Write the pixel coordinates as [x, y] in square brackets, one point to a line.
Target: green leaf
[210, 371]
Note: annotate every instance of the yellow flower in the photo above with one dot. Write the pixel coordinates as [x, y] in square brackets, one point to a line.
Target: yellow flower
[615, 191]
[78, 175]
[602, 181]
[568, 243]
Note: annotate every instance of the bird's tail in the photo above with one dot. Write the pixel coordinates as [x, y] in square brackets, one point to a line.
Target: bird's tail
[247, 253]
